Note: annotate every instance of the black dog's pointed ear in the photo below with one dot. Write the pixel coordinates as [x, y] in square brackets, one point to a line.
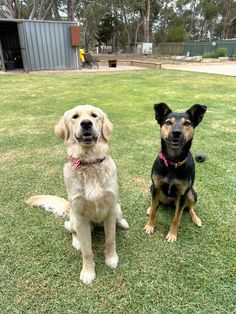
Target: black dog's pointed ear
[161, 111]
[196, 113]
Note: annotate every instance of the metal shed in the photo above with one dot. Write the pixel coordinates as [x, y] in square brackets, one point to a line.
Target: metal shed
[37, 45]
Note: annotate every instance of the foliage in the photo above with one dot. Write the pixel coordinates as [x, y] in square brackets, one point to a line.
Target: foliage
[176, 34]
[135, 21]
[105, 29]
[210, 54]
[220, 52]
[40, 269]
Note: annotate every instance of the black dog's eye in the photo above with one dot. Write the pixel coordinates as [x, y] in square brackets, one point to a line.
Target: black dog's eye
[94, 115]
[186, 123]
[75, 116]
[168, 122]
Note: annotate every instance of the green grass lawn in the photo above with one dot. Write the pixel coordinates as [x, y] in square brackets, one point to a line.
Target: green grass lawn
[39, 268]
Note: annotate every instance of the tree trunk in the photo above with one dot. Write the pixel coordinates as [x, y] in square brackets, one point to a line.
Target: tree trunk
[33, 11]
[71, 10]
[126, 27]
[226, 20]
[56, 11]
[16, 9]
[146, 22]
[136, 33]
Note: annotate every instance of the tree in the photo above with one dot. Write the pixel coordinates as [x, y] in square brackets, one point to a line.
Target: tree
[176, 34]
[106, 29]
[10, 9]
[133, 21]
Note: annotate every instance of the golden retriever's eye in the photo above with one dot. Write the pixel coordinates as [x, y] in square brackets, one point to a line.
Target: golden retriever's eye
[75, 116]
[186, 123]
[94, 115]
[168, 122]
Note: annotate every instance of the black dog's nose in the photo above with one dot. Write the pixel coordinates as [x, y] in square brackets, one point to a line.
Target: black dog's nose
[176, 133]
[86, 124]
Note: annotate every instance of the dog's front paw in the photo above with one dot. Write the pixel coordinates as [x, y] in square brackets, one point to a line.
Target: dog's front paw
[87, 276]
[171, 237]
[149, 229]
[112, 261]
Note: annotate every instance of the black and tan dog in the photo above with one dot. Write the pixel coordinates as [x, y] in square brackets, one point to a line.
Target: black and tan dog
[173, 171]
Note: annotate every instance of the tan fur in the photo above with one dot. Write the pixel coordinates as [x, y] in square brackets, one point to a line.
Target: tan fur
[92, 189]
[186, 129]
[55, 204]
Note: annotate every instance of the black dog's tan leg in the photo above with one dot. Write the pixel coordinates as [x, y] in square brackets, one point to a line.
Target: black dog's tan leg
[195, 218]
[190, 203]
[150, 226]
[172, 234]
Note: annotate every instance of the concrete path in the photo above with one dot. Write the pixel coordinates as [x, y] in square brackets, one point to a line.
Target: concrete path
[223, 69]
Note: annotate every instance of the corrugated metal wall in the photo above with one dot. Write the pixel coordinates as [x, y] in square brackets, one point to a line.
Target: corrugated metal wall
[46, 45]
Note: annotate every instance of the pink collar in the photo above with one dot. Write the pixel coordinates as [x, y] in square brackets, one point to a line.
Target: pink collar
[168, 162]
[77, 163]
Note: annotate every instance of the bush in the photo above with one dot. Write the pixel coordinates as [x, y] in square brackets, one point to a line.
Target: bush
[212, 54]
[220, 52]
[176, 34]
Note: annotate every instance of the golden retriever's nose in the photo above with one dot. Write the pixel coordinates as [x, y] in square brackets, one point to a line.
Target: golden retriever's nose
[86, 124]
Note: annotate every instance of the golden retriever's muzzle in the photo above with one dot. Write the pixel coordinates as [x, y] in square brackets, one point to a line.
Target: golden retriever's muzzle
[86, 132]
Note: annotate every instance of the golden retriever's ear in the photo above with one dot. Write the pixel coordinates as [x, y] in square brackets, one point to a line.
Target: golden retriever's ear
[106, 128]
[61, 129]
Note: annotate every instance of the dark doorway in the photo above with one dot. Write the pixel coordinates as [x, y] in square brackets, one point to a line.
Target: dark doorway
[10, 46]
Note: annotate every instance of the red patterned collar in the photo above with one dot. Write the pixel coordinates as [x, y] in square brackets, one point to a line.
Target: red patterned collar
[77, 163]
[168, 162]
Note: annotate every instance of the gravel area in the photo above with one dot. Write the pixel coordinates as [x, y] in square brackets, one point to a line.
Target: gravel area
[110, 69]
[213, 68]
[223, 69]
[81, 71]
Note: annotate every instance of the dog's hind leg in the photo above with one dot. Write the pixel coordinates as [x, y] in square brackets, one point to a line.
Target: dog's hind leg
[75, 239]
[195, 218]
[192, 198]
[120, 221]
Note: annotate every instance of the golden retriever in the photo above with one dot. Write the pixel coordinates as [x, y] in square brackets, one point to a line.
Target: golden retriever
[91, 181]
